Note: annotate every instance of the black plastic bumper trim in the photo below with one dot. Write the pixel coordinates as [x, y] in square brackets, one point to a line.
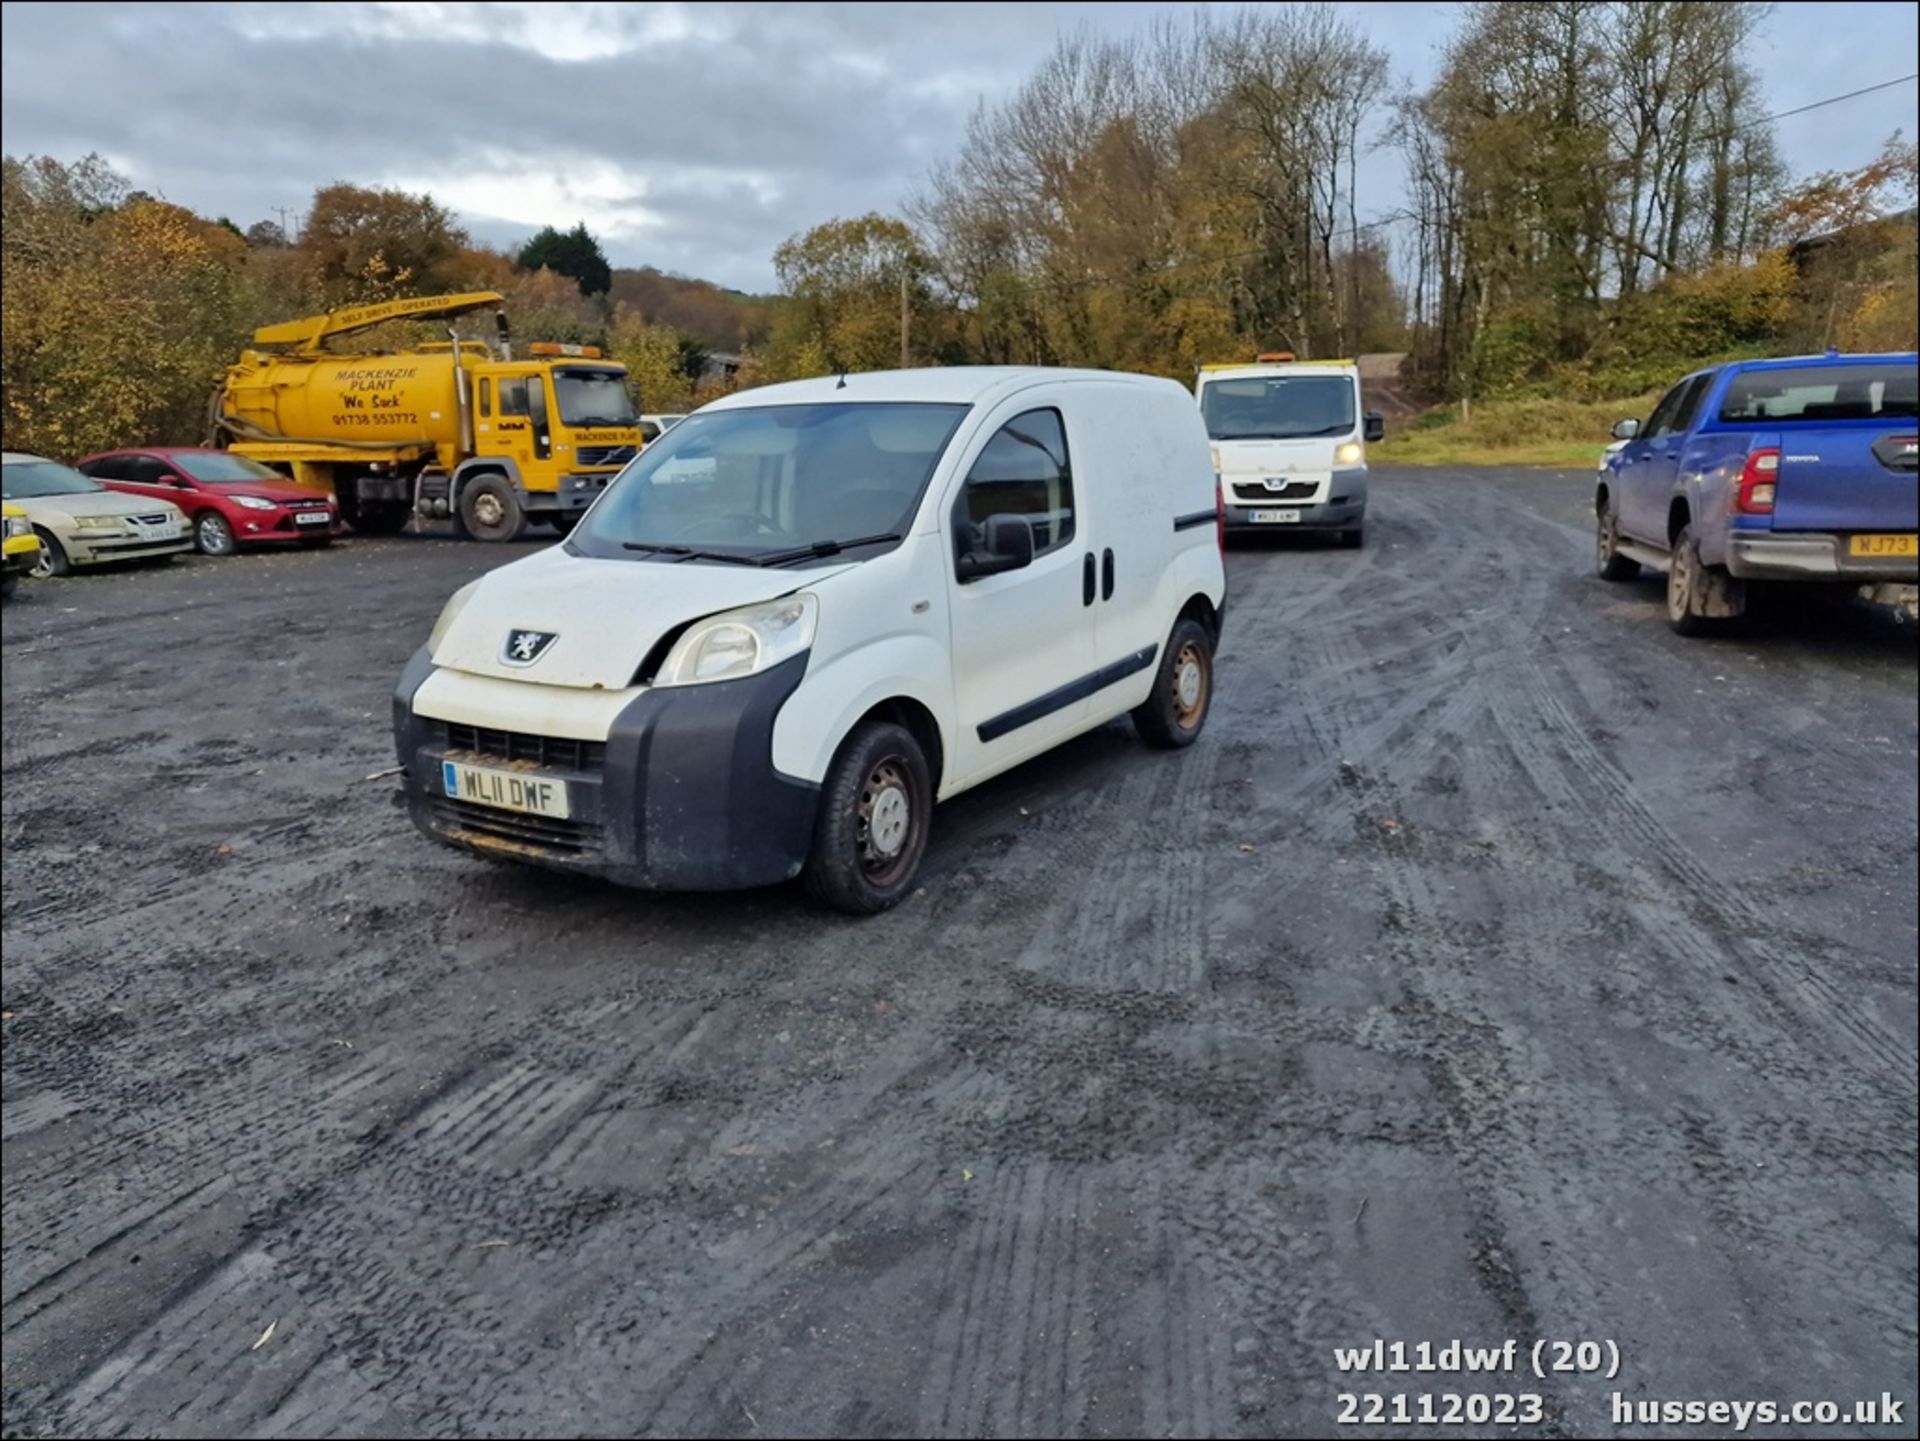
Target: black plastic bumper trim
[1193, 518]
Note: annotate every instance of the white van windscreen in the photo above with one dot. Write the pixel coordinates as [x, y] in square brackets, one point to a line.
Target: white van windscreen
[755, 484]
[1278, 407]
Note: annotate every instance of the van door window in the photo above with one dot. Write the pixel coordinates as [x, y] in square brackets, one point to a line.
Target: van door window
[1024, 470]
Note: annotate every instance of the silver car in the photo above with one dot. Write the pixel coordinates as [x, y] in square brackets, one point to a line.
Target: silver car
[80, 522]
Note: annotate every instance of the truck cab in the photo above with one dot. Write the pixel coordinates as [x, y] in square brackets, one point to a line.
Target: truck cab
[1289, 444]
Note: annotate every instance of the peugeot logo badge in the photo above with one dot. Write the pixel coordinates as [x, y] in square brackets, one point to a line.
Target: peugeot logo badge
[524, 647]
[1275, 482]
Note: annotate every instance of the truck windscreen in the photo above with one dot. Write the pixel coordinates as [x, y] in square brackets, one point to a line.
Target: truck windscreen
[1277, 407]
[593, 397]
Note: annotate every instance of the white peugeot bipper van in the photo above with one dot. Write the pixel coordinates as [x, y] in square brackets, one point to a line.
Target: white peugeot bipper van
[1289, 441]
[807, 612]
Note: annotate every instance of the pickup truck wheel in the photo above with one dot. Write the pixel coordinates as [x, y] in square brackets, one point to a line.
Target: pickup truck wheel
[1175, 713]
[1606, 547]
[875, 811]
[52, 559]
[1687, 582]
[489, 510]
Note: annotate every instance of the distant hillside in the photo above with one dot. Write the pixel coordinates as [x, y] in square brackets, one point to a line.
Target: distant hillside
[719, 319]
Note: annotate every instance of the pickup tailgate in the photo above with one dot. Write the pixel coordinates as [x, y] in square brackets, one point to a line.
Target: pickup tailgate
[1847, 478]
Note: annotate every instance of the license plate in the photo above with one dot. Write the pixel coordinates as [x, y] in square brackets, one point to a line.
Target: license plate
[309, 517]
[506, 790]
[1884, 545]
[1275, 517]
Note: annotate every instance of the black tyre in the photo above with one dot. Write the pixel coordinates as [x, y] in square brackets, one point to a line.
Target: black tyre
[1686, 588]
[381, 517]
[212, 535]
[1353, 539]
[489, 510]
[1176, 712]
[875, 811]
[9, 581]
[1607, 560]
[52, 559]
[565, 523]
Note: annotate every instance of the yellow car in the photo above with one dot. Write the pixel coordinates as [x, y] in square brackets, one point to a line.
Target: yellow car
[22, 548]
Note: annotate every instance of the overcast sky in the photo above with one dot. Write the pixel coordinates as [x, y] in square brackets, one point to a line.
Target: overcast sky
[690, 137]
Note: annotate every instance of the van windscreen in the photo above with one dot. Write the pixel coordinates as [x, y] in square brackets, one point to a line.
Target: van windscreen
[1278, 407]
[756, 483]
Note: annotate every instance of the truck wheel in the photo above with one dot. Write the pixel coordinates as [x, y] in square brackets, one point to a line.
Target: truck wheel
[1688, 584]
[1176, 712]
[565, 523]
[1607, 559]
[213, 535]
[875, 811]
[52, 559]
[489, 510]
[381, 517]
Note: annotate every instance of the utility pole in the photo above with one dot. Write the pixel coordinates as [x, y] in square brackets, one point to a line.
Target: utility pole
[903, 318]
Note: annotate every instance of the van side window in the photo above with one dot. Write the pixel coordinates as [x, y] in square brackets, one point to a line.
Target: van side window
[1024, 470]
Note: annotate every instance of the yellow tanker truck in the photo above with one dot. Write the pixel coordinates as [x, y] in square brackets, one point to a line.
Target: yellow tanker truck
[458, 429]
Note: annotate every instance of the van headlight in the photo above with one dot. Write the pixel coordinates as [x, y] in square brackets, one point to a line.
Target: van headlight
[1352, 453]
[741, 642]
[449, 613]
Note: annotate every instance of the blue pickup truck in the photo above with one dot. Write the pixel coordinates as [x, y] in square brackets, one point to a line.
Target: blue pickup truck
[1799, 471]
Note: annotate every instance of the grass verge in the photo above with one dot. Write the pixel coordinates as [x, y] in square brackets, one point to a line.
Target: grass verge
[1563, 434]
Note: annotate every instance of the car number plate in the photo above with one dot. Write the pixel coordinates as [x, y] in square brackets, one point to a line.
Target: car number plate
[1275, 517]
[1884, 545]
[506, 790]
[309, 517]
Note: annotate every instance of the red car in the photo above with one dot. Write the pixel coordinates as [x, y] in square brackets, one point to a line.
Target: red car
[230, 500]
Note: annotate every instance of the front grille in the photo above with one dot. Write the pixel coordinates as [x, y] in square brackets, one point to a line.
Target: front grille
[545, 832]
[1292, 490]
[557, 751]
[150, 519]
[604, 454]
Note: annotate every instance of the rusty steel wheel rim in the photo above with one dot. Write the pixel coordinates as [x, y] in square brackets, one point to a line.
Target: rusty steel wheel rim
[1191, 680]
[886, 819]
[488, 510]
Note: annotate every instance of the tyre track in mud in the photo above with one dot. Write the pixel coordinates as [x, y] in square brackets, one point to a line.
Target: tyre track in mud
[1395, 1008]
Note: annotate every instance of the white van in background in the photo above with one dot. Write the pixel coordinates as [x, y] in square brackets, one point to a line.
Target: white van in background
[808, 612]
[1289, 442]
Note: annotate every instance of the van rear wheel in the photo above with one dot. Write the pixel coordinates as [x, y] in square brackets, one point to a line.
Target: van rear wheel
[1176, 712]
[875, 811]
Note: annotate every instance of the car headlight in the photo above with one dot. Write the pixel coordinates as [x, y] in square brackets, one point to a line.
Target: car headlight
[1216, 459]
[449, 613]
[1352, 453]
[98, 522]
[741, 642]
[253, 502]
[18, 525]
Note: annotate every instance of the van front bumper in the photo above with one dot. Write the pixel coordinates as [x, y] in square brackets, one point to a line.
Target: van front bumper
[1810, 555]
[1347, 515]
[682, 795]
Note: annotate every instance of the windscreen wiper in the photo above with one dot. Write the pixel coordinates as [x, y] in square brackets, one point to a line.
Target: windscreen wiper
[827, 547]
[679, 550]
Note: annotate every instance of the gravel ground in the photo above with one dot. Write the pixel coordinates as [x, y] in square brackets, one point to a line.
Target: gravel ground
[1499, 965]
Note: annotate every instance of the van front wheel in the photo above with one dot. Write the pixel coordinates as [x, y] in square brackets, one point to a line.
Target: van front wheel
[1175, 713]
[875, 809]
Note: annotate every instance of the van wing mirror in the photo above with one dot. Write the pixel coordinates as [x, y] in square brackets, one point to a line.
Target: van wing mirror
[1375, 426]
[1625, 429]
[1001, 543]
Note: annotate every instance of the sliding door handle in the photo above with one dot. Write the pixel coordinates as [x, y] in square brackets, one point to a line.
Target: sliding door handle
[1106, 577]
[1086, 581]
